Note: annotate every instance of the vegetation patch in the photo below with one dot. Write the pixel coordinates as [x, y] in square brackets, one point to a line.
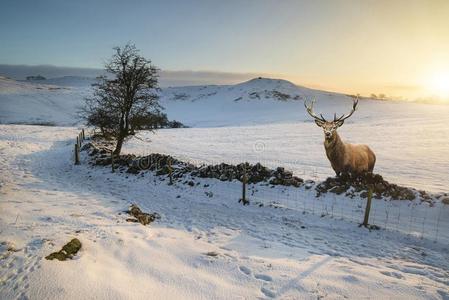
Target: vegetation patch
[67, 252]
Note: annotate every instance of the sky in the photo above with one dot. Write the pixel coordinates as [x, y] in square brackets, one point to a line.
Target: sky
[400, 48]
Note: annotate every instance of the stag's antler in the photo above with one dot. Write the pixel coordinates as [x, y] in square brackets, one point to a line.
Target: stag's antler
[311, 113]
[344, 117]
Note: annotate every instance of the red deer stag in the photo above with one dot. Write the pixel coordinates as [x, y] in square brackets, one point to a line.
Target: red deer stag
[344, 157]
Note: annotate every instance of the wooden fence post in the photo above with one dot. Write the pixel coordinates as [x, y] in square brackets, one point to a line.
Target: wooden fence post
[82, 131]
[112, 161]
[77, 154]
[170, 171]
[244, 179]
[368, 207]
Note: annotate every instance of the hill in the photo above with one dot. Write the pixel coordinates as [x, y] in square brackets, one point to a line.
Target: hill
[257, 101]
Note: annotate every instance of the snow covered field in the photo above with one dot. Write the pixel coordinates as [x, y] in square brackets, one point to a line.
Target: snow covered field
[411, 151]
[213, 247]
[201, 248]
[263, 120]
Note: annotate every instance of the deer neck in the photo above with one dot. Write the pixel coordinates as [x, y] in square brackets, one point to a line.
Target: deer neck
[334, 146]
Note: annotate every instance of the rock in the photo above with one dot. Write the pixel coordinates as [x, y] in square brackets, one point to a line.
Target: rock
[132, 170]
[379, 187]
[365, 182]
[309, 184]
[338, 189]
[141, 217]
[445, 200]
[67, 252]
[163, 171]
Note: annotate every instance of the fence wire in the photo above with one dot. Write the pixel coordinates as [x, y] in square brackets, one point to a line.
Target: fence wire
[423, 220]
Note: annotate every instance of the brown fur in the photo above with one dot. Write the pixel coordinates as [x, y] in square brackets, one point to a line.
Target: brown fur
[351, 158]
[344, 158]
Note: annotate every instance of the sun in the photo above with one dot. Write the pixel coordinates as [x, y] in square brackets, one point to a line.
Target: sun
[439, 84]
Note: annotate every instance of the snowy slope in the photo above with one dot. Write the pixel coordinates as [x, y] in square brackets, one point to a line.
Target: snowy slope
[40, 102]
[257, 101]
[202, 248]
[409, 139]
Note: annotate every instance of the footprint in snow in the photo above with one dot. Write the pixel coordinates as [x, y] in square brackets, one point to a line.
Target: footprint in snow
[245, 270]
[392, 274]
[267, 292]
[263, 277]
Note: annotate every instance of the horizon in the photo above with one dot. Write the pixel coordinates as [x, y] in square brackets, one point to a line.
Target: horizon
[400, 49]
[181, 78]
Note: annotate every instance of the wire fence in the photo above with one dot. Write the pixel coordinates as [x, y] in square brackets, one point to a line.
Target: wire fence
[427, 220]
[422, 219]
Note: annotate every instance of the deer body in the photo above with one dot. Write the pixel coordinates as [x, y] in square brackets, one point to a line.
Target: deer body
[348, 158]
[344, 157]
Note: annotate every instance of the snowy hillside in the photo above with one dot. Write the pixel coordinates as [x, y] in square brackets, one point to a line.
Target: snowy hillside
[41, 102]
[409, 139]
[257, 101]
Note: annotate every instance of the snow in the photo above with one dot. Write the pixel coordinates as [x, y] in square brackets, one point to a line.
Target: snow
[254, 252]
[415, 154]
[408, 137]
[213, 247]
[40, 103]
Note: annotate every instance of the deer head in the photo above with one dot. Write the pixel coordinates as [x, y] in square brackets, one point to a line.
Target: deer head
[330, 127]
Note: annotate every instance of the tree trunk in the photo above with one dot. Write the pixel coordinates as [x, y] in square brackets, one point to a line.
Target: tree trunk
[118, 147]
[121, 136]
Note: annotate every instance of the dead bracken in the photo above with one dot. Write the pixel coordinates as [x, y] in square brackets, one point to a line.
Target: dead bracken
[67, 252]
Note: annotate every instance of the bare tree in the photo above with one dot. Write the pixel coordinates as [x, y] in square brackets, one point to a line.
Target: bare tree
[126, 99]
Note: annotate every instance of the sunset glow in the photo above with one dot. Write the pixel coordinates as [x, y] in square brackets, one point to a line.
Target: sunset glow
[439, 85]
[369, 47]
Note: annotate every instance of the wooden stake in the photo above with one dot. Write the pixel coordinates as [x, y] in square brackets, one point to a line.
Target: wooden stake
[170, 171]
[77, 154]
[244, 179]
[112, 161]
[368, 208]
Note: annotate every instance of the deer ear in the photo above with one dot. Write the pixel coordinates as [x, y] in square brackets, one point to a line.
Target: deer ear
[340, 123]
[319, 123]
